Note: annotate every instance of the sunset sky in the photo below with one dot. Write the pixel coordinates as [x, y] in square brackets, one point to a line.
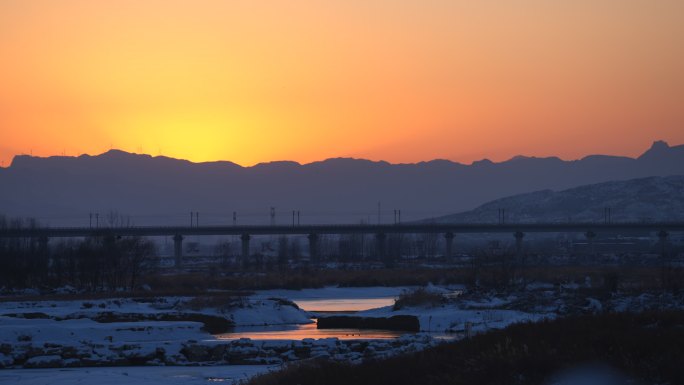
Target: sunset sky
[403, 81]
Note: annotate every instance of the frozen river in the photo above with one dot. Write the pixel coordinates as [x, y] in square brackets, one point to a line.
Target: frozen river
[324, 301]
[338, 299]
[300, 332]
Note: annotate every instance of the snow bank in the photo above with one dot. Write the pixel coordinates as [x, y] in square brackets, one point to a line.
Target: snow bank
[451, 318]
[268, 312]
[41, 331]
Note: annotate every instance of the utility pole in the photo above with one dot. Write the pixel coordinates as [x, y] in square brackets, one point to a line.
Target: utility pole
[298, 223]
[234, 218]
[272, 216]
[607, 215]
[293, 218]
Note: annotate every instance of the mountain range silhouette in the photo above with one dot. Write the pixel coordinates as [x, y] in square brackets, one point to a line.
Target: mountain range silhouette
[160, 190]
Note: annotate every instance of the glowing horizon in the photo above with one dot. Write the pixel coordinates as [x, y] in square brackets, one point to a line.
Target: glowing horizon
[400, 81]
[323, 159]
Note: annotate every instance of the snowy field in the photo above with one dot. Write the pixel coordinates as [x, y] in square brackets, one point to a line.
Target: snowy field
[454, 318]
[160, 375]
[248, 312]
[70, 336]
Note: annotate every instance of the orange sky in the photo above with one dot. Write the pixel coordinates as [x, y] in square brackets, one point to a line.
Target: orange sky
[404, 81]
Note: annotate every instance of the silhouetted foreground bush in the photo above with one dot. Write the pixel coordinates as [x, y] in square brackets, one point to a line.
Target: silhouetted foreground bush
[418, 297]
[648, 346]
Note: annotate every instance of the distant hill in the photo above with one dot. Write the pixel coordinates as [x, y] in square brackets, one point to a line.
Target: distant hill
[644, 199]
[161, 190]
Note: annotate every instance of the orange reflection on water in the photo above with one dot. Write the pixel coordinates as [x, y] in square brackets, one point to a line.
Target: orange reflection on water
[343, 304]
[298, 332]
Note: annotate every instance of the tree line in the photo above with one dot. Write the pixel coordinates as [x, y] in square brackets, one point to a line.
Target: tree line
[104, 262]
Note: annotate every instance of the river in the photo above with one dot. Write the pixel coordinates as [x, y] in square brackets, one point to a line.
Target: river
[324, 301]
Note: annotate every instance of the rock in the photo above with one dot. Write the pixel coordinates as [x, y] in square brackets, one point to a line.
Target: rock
[213, 324]
[28, 315]
[196, 353]
[5, 361]
[216, 353]
[5, 349]
[397, 322]
[52, 361]
[72, 363]
[71, 352]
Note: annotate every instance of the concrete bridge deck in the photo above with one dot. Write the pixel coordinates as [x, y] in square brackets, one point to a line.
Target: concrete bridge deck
[71, 232]
[380, 232]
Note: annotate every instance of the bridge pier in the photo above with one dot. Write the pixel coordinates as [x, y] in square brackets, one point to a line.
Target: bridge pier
[244, 238]
[449, 239]
[590, 235]
[44, 249]
[313, 248]
[380, 245]
[178, 250]
[43, 243]
[519, 235]
[662, 240]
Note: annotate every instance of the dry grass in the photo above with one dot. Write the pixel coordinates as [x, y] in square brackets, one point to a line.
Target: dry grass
[611, 278]
[496, 277]
[219, 301]
[417, 297]
[647, 346]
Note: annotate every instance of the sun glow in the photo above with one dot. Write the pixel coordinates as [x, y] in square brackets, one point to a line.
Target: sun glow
[303, 80]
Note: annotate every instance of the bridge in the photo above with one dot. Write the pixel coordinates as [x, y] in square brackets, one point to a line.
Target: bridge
[518, 230]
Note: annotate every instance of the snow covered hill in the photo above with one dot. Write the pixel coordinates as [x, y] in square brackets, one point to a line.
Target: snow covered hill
[643, 199]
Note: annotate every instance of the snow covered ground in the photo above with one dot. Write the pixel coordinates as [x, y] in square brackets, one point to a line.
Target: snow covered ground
[41, 331]
[69, 334]
[268, 312]
[159, 375]
[482, 313]
[151, 331]
[246, 312]
[453, 318]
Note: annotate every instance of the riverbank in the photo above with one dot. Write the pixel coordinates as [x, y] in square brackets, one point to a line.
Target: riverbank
[644, 348]
[127, 331]
[166, 331]
[130, 331]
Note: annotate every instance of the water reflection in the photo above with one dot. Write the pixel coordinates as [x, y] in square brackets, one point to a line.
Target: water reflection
[325, 301]
[298, 332]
